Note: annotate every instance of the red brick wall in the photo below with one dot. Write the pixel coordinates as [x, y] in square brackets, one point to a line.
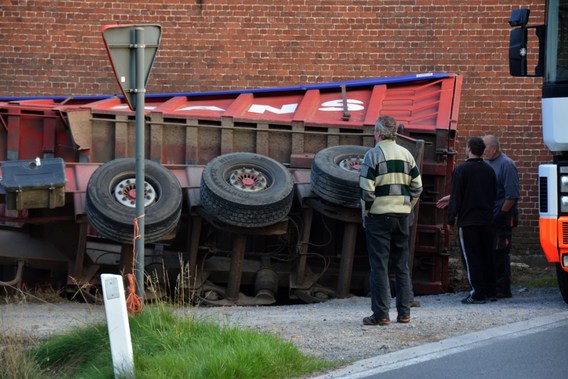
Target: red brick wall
[54, 47]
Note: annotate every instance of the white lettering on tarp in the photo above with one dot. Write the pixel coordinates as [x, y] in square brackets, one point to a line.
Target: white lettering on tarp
[126, 107]
[202, 108]
[328, 106]
[337, 105]
[260, 109]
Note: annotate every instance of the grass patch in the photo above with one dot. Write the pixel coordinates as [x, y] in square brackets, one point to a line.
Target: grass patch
[533, 276]
[169, 346]
[543, 282]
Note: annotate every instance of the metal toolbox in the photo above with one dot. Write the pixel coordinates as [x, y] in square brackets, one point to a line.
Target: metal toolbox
[38, 183]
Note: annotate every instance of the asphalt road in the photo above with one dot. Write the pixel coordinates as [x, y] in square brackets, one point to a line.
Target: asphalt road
[536, 348]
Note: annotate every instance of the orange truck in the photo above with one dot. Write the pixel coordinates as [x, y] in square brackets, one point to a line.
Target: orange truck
[551, 62]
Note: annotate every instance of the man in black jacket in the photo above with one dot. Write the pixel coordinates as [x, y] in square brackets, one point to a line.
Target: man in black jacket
[474, 186]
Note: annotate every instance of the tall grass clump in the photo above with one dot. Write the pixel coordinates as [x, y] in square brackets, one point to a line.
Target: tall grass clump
[15, 363]
[169, 346]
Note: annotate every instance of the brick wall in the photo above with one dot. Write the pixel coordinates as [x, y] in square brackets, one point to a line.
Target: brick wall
[54, 47]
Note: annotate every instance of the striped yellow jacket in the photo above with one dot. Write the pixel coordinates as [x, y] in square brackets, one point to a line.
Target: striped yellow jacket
[390, 181]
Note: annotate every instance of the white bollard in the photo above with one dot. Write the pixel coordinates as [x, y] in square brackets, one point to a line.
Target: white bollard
[118, 327]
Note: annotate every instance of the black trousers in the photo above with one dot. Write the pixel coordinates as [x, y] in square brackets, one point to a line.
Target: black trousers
[503, 259]
[477, 247]
[387, 239]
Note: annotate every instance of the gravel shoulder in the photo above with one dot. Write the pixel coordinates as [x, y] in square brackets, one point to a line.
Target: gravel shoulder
[331, 330]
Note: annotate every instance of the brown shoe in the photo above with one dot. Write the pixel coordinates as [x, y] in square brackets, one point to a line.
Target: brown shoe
[372, 320]
[403, 319]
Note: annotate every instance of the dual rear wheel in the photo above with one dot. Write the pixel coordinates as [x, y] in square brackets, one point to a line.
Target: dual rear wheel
[111, 200]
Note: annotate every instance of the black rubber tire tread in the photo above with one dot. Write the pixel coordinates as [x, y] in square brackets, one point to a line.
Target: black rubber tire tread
[331, 192]
[235, 207]
[331, 182]
[562, 277]
[115, 221]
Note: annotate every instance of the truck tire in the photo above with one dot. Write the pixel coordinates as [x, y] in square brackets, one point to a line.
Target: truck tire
[246, 189]
[562, 277]
[335, 174]
[111, 207]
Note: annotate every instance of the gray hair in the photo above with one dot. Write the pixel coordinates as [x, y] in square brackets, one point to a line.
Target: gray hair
[491, 140]
[386, 127]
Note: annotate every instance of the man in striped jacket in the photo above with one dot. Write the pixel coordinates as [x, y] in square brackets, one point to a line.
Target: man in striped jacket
[390, 186]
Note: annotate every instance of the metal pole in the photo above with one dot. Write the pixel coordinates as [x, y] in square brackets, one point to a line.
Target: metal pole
[140, 91]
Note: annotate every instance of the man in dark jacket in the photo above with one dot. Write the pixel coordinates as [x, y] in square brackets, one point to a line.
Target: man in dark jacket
[474, 187]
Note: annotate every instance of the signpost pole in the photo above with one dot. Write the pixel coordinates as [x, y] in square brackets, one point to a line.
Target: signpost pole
[140, 123]
[132, 58]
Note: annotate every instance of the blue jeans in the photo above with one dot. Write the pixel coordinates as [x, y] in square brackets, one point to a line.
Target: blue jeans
[388, 238]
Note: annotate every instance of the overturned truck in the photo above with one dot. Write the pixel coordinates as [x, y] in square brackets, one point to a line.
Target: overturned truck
[251, 197]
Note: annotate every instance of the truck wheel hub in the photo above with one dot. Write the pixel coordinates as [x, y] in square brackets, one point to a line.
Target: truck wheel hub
[125, 193]
[351, 164]
[248, 180]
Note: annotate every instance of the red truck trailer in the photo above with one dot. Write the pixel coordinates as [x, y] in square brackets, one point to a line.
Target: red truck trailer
[251, 196]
